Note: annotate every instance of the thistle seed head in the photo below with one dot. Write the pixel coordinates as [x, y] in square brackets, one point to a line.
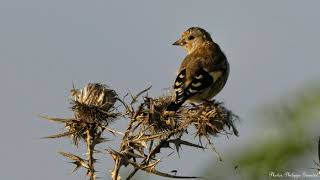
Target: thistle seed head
[94, 103]
[211, 118]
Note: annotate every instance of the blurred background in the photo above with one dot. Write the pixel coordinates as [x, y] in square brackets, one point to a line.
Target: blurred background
[272, 46]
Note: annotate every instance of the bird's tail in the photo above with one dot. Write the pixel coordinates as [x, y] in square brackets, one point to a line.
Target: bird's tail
[174, 106]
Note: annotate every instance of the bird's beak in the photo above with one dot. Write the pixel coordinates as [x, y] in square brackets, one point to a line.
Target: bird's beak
[179, 42]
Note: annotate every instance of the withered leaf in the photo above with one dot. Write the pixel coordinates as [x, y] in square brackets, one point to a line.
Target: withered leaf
[68, 133]
[60, 120]
[178, 142]
[78, 161]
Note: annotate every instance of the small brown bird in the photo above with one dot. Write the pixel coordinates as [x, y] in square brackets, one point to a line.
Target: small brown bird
[203, 72]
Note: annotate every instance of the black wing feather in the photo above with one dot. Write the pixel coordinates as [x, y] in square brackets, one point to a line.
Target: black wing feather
[204, 82]
[201, 81]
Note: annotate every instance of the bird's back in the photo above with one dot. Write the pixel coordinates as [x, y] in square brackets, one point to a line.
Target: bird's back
[208, 56]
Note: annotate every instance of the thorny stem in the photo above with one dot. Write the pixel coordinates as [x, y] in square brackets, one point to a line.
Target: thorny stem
[117, 165]
[132, 173]
[146, 159]
[90, 149]
[152, 153]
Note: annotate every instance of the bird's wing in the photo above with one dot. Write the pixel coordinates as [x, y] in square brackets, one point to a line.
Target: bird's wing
[179, 85]
[201, 81]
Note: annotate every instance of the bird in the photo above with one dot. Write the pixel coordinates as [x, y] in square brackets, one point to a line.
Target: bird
[203, 72]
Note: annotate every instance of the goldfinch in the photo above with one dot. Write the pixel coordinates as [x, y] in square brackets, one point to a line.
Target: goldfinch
[203, 72]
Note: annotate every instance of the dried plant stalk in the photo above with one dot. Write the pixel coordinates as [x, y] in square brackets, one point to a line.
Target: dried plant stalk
[150, 128]
[93, 108]
[90, 148]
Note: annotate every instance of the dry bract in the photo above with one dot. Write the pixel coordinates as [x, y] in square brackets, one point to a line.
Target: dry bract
[93, 103]
[211, 118]
[154, 116]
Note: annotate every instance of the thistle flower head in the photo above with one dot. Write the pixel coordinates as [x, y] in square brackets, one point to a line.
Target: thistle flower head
[95, 94]
[154, 114]
[93, 103]
[211, 118]
[93, 107]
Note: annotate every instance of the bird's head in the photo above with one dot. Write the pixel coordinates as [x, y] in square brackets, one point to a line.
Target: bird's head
[192, 38]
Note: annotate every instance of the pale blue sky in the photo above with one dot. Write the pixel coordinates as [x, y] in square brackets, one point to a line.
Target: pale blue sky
[272, 46]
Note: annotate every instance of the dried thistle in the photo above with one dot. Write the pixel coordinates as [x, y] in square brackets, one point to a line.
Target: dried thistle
[93, 108]
[93, 103]
[155, 117]
[151, 128]
[210, 119]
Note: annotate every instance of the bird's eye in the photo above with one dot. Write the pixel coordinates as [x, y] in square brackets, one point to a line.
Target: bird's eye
[190, 37]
